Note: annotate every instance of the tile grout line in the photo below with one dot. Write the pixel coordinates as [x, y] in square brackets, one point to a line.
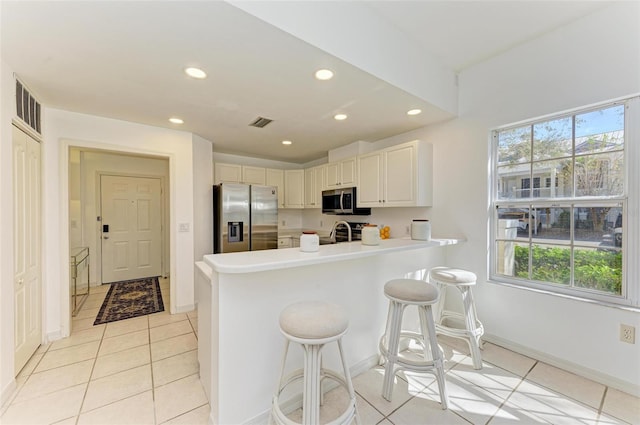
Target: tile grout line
[86, 390]
[522, 379]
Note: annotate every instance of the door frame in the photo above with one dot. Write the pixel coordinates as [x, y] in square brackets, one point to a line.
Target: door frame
[164, 249]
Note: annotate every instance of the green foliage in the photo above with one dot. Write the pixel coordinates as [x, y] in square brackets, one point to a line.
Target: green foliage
[599, 270]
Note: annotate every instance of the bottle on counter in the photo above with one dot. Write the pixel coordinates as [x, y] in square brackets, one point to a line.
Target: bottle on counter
[370, 235]
[309, 241]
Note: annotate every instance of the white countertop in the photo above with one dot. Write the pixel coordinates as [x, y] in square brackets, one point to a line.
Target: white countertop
[274, 259]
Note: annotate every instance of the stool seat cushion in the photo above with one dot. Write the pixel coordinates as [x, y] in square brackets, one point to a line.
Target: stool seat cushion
[411, 290]
[453, 276]
[314, 320]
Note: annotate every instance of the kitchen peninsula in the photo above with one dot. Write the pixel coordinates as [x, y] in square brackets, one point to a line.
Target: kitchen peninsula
[240, 297]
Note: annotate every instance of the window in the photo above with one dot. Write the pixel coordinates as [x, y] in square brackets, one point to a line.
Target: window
[569, 236]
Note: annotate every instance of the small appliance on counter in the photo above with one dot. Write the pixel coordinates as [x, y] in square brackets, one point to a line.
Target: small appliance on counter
[309, 241]
[421, 230]
[245, 217]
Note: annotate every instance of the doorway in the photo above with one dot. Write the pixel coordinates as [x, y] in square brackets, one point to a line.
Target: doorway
[131, 227]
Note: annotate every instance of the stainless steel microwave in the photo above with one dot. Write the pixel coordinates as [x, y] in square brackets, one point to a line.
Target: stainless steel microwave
[342, 202]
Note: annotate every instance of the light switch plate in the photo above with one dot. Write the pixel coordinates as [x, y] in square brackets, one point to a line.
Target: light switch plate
[183, 227]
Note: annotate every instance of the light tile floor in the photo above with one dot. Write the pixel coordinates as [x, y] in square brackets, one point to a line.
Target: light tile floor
[145, 371]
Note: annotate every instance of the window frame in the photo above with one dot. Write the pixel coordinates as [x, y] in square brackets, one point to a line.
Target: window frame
[628, 200]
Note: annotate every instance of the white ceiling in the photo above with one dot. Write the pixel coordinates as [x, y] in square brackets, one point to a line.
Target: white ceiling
[124, 60]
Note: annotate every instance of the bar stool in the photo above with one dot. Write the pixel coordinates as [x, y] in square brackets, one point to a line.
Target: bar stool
[401, 294]
[465, 326]
[313, 324]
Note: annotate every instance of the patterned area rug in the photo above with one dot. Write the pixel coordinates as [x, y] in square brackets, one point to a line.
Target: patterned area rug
[131, 298]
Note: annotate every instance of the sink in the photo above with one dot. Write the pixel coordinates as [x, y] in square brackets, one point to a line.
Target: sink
[326, 240]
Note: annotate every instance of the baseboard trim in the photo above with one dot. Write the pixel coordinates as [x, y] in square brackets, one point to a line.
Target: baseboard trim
[561, 363]
[7, 395]
[54, 336]
[295, 403]
[185, 308]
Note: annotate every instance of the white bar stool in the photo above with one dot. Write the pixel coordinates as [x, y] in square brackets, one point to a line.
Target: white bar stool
[465, 326]
[313, 324]
[403, 293]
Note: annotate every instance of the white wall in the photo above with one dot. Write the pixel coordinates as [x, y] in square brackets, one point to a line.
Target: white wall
[91, 164]
[592, 60]
[6, 234]
[65, 129]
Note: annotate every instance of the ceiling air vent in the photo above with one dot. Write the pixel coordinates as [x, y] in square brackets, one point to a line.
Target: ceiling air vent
[27, 107]
[260, 122]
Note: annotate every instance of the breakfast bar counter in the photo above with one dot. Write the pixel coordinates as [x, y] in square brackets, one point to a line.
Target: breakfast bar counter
[240, 297]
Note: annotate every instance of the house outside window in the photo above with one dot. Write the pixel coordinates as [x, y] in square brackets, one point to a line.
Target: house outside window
[567, 237]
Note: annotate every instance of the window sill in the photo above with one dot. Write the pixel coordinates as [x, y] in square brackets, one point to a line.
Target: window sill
[567, 296]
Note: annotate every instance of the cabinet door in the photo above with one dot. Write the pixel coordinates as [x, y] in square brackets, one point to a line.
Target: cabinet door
[227, 173]
[400, 176]
[253, 175]
[332, 175]
[313, 187]
[348, 170]
[276, 178]
[294, 188]
[370, 181]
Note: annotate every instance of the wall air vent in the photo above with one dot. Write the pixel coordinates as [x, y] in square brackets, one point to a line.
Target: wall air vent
[260, 122]
[28, 108]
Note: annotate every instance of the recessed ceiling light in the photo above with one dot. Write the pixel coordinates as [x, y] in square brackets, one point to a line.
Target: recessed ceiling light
[414, 112]
[340, 117]
[286, 142]
[195, 73]
[324, 74]
[176, 120]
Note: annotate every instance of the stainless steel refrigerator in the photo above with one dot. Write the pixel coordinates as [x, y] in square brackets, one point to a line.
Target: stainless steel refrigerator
[245, 217]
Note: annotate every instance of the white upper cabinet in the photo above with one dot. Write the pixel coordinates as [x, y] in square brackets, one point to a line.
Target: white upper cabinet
[341, 174]
[234, 173]
[313, 184]
[294, 188]
[254, 175]
[227, 173]
[399, 176]
[276, 178]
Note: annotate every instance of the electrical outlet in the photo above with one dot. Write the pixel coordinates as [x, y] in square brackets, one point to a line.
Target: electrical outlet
[628, 334]
[321, 223]
[284, 223]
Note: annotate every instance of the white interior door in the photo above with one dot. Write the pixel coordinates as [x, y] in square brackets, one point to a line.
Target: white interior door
[26, 241]
[131, 228]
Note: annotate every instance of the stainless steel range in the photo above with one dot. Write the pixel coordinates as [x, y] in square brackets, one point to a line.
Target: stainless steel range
[342, 234]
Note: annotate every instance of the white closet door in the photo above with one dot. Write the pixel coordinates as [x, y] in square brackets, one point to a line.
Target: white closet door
[27, 268]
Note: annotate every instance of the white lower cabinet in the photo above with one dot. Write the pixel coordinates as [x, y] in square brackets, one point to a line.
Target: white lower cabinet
[399, 176]
[284, 242]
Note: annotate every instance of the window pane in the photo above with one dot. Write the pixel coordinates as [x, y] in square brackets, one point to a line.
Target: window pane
[514, 145]
[600, 131]
[552, 139]
[595, 226]
[551, 264]
[555, 178]
[512, 259]
[554, 225]
[600, 175]
[512, 179]
[598, 269]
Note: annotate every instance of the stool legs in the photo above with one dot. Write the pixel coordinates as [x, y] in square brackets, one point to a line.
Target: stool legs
[311, 392]
[471, 321]
[429, 334]
[473, 328]
[393, 334]
[394, 324]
